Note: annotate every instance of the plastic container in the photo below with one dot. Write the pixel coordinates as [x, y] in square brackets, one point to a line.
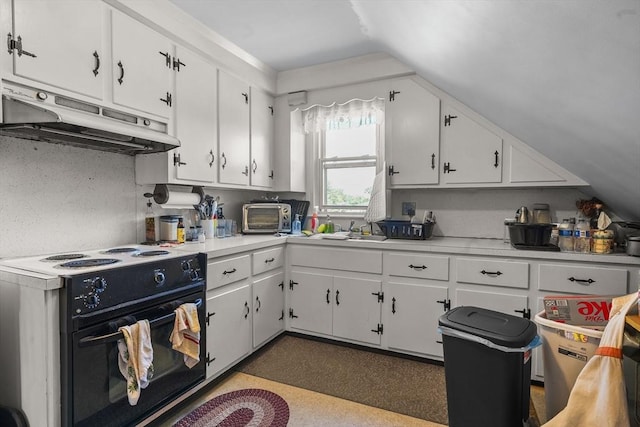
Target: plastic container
[565, 236]
[485, 348]
[582, 237]
[566, 349]
[169, 228]
[329, 228]
[541, 214]
[530, 234]
[602, 241]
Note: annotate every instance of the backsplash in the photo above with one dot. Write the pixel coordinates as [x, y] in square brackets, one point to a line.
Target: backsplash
[56, 198]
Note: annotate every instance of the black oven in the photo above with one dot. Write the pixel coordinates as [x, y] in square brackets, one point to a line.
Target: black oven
[94, 306]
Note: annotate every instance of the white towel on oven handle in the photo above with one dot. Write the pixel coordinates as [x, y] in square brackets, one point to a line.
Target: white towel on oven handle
[135, 358]
[185, 336]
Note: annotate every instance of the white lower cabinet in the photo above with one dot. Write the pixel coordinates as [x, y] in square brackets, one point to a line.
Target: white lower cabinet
[341, 306]
[268, 307]
[229, 320]
[502, 301]
[412, 312]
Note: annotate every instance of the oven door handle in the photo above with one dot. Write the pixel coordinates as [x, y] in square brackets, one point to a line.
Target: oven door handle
[115, 336]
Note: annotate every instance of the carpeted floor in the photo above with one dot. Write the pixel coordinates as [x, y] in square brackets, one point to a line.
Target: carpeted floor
[396, 384]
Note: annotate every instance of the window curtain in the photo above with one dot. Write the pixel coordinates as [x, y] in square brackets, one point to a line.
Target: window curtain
[351, 114]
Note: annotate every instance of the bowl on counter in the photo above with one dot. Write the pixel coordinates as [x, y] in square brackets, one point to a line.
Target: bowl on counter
[530, 234]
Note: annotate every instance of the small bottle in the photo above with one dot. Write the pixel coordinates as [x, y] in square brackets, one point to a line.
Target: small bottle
[296, 227]
[150, 223]
[329, 227]
[314, 219]
[191, 234]
[181, 233]
[582, 237]
[200, 234]
[565, 236]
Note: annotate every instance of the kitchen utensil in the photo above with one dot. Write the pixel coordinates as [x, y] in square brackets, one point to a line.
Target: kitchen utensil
[522, 215]
[633, 245]
[622, 230]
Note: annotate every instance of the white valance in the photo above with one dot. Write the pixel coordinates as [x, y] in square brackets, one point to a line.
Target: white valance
[354, 113]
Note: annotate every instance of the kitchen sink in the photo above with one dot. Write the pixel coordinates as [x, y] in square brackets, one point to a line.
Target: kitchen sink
[369, 237]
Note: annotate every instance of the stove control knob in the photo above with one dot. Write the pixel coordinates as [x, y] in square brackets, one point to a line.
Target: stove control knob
[92, 301]
[193, 274]
[99, 284]
[186, 265]
[159, 277]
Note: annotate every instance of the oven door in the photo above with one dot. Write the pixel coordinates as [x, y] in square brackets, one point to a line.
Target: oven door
[95, 390]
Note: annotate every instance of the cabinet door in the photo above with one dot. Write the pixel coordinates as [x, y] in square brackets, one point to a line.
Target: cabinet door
[196, 117]
[68, 50]
[142, 67]
[262, 139]
[268, 308]
[233, 113]
[228, 328]
[356, 310]
[311, 302]
[515, 305]
[470, 152]
[413, 312]
[413, 123]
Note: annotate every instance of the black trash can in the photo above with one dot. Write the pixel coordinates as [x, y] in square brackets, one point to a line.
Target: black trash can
[487, 363]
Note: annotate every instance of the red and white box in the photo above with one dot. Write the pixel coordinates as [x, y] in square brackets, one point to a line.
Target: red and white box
[579, 310]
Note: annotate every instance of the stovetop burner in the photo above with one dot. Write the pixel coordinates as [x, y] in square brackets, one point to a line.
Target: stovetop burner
[93, 262]
[120, 250]
[152, 253]
[64, 257]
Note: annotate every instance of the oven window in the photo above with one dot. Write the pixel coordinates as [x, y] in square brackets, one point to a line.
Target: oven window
[263, 218]
[99, 395]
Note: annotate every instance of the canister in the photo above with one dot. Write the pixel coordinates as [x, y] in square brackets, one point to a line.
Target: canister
[541, 213]
[169, 227]
[602, 242]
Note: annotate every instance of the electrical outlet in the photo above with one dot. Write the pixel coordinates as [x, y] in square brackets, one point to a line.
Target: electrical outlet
[408, 208]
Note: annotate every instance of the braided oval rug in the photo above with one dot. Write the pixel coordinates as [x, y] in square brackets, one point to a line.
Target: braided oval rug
[249, 407]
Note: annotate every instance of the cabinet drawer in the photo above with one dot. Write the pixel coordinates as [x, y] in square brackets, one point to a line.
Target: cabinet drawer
[220, 273]
[413, 265]
[512, 274]
[579, 279]
[268, 260]
[359, 260]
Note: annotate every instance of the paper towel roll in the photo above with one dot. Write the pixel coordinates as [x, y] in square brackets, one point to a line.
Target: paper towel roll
[179, 200]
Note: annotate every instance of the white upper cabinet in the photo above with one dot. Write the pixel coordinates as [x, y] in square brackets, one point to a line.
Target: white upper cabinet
[234, 133]
[471, 153]
[196, 118]
[52, 48]
[413, 134]
[142, 63]
[262, 138]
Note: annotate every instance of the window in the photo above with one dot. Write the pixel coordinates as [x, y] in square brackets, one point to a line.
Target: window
[347, 167]
[348, 144]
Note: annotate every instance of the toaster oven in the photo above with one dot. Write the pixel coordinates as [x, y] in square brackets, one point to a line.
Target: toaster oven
[266, 218]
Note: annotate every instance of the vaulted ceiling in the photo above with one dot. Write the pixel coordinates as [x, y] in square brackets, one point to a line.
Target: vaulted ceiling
[561, 75]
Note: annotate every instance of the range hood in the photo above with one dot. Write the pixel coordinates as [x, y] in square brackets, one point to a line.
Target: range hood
[40, 115]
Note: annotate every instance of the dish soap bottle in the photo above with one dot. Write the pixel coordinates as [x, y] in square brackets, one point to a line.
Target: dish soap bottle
[330, 227]
[314, 220]
[296, 227]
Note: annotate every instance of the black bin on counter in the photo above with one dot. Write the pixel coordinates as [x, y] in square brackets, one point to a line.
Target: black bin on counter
[487, 363]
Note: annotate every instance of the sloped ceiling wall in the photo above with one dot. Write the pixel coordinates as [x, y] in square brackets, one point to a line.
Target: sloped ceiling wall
[561, 75]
